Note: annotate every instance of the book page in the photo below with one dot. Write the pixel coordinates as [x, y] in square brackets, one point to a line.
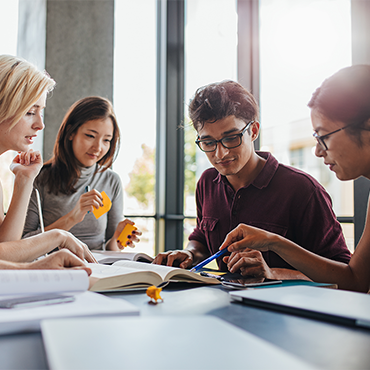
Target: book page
[114, 277]
[161, 270]
[123, 274]
[166, 272]
[112, 256]
[103, 271]
[30, 282]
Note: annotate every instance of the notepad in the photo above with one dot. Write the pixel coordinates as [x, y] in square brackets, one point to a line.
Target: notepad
[163, 343]
[107, 204]
[338, 306]
[27, 284]
[85, 304]
[127, 230]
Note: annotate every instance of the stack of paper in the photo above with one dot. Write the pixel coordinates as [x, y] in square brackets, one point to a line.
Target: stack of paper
[28, 284]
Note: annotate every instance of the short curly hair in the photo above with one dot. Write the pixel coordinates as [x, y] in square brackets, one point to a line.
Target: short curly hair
[220, 100]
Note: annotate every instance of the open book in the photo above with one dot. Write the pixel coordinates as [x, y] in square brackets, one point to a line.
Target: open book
[125, 275]
[29, 296]
[109, 257]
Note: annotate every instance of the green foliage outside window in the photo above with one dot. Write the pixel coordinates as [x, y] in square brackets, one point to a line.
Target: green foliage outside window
[142, 177]
[190, 160]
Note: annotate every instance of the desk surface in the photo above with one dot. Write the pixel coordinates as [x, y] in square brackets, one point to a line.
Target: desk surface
[322, 344]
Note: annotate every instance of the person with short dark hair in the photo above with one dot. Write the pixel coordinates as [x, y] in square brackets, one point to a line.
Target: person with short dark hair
[340, 115]
[245, 186]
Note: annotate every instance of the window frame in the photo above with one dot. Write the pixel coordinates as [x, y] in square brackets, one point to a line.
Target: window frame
[170, 110]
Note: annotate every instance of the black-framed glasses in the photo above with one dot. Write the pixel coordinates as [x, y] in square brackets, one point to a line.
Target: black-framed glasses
[321, 139]
[228, 142]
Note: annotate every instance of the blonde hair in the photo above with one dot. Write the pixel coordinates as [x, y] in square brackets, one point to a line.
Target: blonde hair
[21, 86]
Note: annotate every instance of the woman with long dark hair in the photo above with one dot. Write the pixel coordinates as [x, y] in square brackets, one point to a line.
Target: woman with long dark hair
[71, 182]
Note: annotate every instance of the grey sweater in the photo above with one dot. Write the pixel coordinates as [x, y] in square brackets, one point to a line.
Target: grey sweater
[94, 232]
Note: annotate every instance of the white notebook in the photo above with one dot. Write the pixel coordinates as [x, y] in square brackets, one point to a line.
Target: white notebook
[16, 320]
[338, 306]
[32, 282]
[165, 343]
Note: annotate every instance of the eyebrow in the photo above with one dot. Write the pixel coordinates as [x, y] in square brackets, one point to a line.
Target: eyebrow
[319, 128]
[225, 133]
[96, 132]
[37, 106]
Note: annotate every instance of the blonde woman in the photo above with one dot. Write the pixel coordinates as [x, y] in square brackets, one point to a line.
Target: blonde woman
[23, 92]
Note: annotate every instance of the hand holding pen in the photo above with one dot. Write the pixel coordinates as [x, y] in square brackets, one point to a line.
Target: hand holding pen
[208, 260]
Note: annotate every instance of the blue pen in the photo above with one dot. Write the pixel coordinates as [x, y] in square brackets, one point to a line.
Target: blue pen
[208, 260]
[87, 189]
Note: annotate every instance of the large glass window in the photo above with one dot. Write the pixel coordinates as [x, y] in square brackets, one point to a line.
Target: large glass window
[302, 43]
[135, 106]
[210, 56]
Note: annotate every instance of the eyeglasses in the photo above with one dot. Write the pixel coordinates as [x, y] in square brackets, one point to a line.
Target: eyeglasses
[321, 139]
[228, 142]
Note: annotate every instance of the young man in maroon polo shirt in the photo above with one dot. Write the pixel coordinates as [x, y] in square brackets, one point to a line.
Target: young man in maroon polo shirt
[245, 186]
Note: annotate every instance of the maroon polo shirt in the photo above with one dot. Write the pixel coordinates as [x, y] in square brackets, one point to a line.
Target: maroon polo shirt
[282, 200]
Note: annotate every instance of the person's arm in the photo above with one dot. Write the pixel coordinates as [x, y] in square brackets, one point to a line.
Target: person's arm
[196, 250]
[317, 229]
[59, 260]
[28, 249]
[354, 276]
[25, 167]
[87, 202]
[194, 253]
[32, 223]
[114, 245]
[311, 209]
[251, 262]
[115, 225]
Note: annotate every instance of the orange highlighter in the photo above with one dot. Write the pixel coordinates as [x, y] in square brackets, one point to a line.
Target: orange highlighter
[127, 230]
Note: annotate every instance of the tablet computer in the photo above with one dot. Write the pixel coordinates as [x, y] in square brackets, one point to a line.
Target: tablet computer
[238, 281]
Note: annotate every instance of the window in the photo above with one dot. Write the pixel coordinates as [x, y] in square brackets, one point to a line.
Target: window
[210, 56]
[135, 106]
[302, 43]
